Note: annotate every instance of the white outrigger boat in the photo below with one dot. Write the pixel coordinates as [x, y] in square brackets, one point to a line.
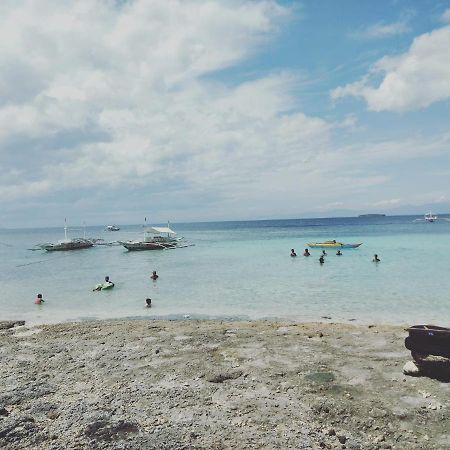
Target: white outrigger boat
[157, 238]
[431, 218]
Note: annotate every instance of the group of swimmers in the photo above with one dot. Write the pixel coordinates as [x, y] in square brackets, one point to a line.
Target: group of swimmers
[324, 253]
[106, 285]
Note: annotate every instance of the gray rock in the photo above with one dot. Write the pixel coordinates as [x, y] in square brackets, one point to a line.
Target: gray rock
[7, 324]
[410, 368]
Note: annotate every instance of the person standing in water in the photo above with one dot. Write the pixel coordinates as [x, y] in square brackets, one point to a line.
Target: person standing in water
[38, 300]
[321, 259]
[293, 254]
[306, 253]
[148, 302]
[376, 259]
[338, 253]
[324, 253]
[154, 276]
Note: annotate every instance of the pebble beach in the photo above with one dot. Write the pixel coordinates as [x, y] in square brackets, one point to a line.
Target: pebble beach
[159, 384]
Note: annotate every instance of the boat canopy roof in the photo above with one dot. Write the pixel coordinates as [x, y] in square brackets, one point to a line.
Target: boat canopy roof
[160, 230]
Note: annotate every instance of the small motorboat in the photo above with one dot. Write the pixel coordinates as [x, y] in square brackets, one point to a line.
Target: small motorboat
[424, 340]
[112, 228]
[333, 244]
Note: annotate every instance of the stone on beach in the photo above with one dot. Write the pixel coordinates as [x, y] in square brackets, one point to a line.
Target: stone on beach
[410, 368]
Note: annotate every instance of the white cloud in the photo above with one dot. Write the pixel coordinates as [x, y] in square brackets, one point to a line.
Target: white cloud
[415, 79]
[382, 30]
[118, 104]
[446, 15]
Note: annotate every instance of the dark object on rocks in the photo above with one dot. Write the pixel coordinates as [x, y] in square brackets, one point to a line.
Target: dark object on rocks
[221, 377]
[7, 324]
[430, 348]
[424, 340]
[107, 431]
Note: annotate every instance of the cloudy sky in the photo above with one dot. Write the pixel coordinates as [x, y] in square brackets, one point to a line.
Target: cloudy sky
[191, 110]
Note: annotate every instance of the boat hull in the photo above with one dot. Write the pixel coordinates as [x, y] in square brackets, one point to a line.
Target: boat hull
[67, 247]
[336, 245]
[141, 246]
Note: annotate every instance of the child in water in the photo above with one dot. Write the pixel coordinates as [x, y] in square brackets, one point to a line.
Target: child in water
[293, 252]
[148, 302]
[154, 277]
[38, 300]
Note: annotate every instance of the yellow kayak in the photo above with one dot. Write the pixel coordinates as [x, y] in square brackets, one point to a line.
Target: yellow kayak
[333, 244]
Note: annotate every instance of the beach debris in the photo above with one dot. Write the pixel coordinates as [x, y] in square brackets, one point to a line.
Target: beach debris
[104, 430]
[7, 324]
[410, 368]
[223, 376]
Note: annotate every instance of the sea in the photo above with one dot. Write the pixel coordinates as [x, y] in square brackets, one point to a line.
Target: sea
[237, 270]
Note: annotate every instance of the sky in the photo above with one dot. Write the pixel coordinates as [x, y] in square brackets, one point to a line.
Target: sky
[192, 110]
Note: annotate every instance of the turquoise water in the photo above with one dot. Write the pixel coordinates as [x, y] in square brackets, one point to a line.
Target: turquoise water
[238, 270]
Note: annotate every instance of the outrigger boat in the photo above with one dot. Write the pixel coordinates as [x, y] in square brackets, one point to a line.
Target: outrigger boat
[430, 218]
[68, 244]
[332, 244]
[156, 238]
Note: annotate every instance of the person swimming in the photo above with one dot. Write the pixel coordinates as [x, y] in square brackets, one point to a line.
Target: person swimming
[293, 252]
[306, 253]
[338, 253]
[375, 258]
[321, 259]
[154, 276]
[106, 285]
[148, 302]
[38, 300]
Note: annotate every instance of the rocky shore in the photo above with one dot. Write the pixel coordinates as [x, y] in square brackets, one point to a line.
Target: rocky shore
[215, 385]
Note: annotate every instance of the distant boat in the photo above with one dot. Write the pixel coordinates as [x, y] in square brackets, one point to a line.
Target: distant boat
[332, 244]
[68, 244]
[112, 228]
[156, 238]
[430, 218]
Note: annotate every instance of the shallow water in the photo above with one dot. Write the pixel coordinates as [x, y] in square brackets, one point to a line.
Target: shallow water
[238, 270]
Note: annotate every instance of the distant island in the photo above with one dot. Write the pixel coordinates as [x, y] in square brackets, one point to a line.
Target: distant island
[372, 215]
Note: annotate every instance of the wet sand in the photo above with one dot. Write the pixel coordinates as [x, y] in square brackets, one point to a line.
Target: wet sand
[215, 385]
